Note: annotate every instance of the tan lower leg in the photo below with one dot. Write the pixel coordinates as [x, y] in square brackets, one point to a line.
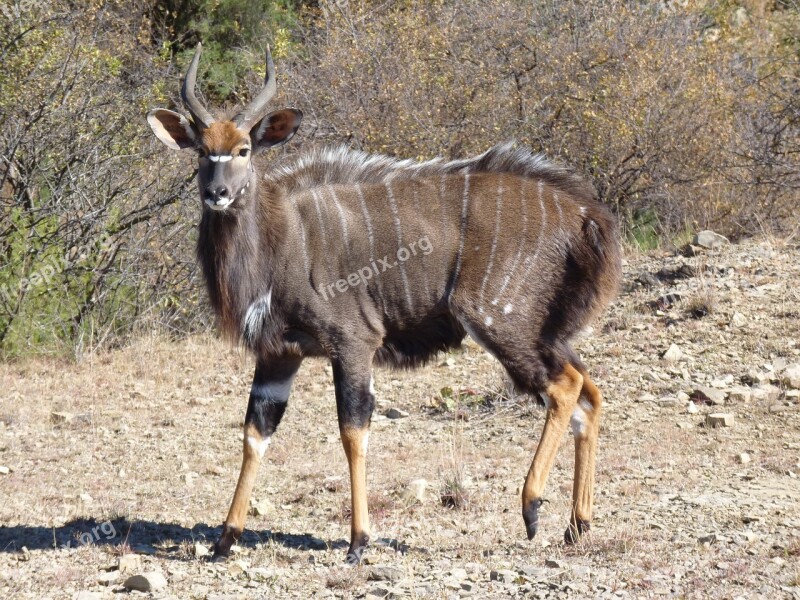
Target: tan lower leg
[253, 450]
[355, 447]
[563, 394]
[585, 452]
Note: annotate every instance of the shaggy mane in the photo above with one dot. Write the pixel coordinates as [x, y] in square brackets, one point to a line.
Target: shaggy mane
[342, 165]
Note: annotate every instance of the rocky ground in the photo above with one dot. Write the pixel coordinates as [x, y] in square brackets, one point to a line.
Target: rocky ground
[123, 465]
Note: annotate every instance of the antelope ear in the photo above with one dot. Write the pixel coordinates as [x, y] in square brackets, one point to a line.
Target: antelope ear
[276, 128]
[174, 130]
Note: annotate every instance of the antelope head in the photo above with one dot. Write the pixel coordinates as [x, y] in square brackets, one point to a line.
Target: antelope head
[225, 147]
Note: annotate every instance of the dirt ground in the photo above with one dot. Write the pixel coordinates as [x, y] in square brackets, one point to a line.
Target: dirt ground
[137, 452]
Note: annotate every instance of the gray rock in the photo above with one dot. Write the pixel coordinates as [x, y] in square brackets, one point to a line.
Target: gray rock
[108, 578]
[395, 413]
[146, 582]
[555, 564]
[743, 458]
[709, 394]
[709, 239]
[738, 320]
[719, 420]
[673, 353]
[129, 563]
[200, 550]
[740, 394]
[503, 575]
[261, 508]
[791, 376]
[385, 573]
[766, 392]
[415, 491]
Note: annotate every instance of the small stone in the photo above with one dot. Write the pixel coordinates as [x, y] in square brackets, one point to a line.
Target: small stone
[555, 564]
[61, 417]
[738, 320]
[743, 458]
[709, 239]
[791, 376]
[237, 567]
[152, 581]
[200, 550]
[415, 492]
[395, 413]
[261, 508]
[719, 420]
[673, 353]
[765, 392]
[385, 573]
[108, 578]
[128, 563]
[691, 408]
[450, 362]
[4, 470]
[503, 575]
[739, 394]
[708, 395]
[459, 573]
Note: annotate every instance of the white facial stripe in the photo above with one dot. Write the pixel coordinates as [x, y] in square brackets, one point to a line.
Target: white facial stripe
[220, 157]
[260, 446]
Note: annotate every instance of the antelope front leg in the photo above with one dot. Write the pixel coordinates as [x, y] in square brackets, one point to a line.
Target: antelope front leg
[354, 404]
[563, 395]
[269, 395]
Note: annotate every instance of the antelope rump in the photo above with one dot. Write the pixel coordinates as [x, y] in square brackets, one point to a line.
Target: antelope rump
[505, 247]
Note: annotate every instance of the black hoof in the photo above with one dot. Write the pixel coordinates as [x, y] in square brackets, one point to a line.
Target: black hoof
[222, 548]
[356, 551]
[530, 515]
[575, 531]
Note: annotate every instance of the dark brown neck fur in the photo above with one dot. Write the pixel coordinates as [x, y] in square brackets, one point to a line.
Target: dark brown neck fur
[237, 250]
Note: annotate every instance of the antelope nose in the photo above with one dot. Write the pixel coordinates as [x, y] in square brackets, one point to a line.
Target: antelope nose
[220, 192]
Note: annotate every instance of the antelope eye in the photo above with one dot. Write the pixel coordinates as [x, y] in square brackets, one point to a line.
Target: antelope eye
[244, 151]
[201, 153]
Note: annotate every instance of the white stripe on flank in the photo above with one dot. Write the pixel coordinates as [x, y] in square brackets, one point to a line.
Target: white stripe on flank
[494, 244]
[521, 245]
[531, 259]
[304, 243]
[415, 192]
[371, 236]
[398, 228]
[322, 233]
[342, 218]
[464, 206]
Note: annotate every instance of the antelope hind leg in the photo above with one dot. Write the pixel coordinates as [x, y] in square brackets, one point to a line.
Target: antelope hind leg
[562, 394]
[585, 423]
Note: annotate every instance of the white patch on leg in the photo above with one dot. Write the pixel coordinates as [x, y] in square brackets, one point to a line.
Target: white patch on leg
[260, 446]
[274, 391]
[578, 421]
[365, 443]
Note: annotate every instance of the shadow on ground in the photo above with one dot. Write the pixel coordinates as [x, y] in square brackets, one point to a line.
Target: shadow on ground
[146, 537]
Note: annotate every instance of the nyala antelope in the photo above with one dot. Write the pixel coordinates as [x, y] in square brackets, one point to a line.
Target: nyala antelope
[505, 247]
